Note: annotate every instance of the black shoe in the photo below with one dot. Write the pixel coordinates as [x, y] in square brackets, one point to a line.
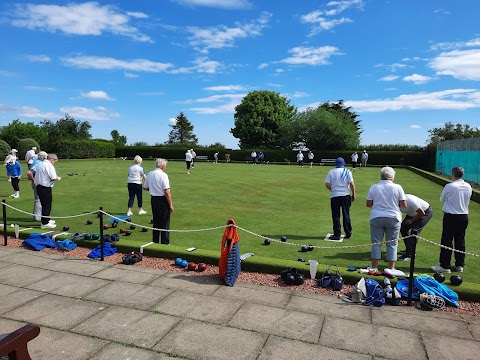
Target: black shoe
[348, 236]
[404, 257]
[403, 252]
[334, 237]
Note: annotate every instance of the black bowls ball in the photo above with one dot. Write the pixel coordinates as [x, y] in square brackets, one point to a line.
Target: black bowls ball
[66, 228]
[89, 222]
[144, 229]
[128, 233]
[132, 226]
[266, 242]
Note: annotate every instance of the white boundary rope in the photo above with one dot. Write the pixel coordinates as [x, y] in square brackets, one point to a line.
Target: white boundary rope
[246, 231]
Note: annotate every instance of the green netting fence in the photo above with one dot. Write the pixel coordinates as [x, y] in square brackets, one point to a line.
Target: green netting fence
[461, 152]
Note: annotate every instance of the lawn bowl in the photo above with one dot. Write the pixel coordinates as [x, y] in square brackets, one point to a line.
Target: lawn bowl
[201, 267]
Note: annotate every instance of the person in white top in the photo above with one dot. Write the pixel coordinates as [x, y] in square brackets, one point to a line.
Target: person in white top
[45, 178]
[456, 198]
[340, 182]
[158, 184]
[364, 159]
[354, 158]
[215, 156]
[136, 173]
[418, 214]
[30, 156]
[310, 158]
[194, 157]
[14, 152]
[300, 158]
[386, 199]
[253, 154]
[188, 160]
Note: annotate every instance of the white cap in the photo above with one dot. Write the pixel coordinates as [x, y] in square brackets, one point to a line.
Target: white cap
[14, 151]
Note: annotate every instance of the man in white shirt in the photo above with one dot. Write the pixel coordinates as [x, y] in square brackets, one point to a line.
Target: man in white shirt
[45, 178]
[158, 184]
[194, 157]
[456, 198]
[188, 160]
[30, 156]
[364, 159]
[418, 214]
[354, 158]
[310, 158]
[300, 158]
[253, 155]
[340, 182]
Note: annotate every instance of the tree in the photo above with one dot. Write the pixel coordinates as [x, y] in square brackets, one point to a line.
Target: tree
[140, 143]
[451, 132]
[342, 111]
[182, 131]
[16, 130]
[117, 139]
[259, 119]
[321, 128]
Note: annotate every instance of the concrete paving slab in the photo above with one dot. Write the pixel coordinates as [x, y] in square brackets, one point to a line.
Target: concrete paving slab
[12, 300]
[56, 344]
[199, 340]
[20, 275]
[139, 268]
[30, 259]
[278, 348]
[197, 306]
[55, 311]
[330, 307]
[126, 275]
[472, 319]
[74, 267]
[254, 295]
[417, 322]
[122, 352]
[4, 264]
[126, 294]
[193, 283]
[128, 326]
[475, 330]
[286, 323]
[444, 348]
[372, 339]
[69, 285]
[404, 309]
[281, 290]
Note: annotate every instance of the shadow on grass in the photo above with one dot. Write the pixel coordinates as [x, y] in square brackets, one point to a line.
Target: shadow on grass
[294, 237]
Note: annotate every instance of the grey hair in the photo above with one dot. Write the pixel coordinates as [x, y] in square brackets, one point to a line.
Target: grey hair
[137, 159]
[160, 162]
[458, 172]
[52, 157]
[387, 173]
[42, 155]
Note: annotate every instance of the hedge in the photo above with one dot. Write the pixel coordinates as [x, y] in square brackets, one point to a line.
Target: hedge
[77, 149]
[26, 144]
[4, 149]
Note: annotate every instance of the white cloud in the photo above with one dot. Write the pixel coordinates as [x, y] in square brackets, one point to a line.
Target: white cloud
[417, 79]
[38, 58]
[39, 88]
[392, 67]
[461, 64]
[33, 112]
[226, 88]
[97, 94]
[299, 94]
[324, 19]
[274, 85]
[262, 66]
[310, 55]
[279, 70]
[389, 78]
[228, 102]
[82, 113]
[107, 63]
[131, 75]
[413, 126]
[172, 121]
[223, 4]
[89, 18]
[204, 39]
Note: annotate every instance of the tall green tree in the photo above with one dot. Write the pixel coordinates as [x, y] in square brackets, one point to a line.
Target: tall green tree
[182, 131]
[321, 129]
[451, 131]
[342, 111]
[17, 130]
[66, 128]
[259, 119]
[117, 139]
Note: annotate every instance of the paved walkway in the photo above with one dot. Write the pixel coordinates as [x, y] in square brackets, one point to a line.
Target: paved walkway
[101, 311]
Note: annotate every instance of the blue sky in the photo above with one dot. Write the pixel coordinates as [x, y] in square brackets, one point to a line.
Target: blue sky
[405, 66]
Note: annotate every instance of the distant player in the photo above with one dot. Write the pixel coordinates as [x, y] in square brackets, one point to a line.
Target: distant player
[310, 157]
[364, 159]
[354, 158]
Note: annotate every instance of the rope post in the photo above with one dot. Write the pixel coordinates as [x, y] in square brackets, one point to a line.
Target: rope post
[102, 242]
[4, 223]
[414, 235]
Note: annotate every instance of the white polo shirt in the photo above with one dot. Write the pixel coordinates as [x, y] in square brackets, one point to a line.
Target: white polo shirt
[310, 156]
[456, 197]
[385, 196]
[188, 156]
[30, 156]
[339, 179]
[135, 174]
[354, 157]
[413, 204]
[45, 174]
[157, 182]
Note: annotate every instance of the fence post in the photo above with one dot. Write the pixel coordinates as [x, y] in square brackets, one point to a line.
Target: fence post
[413, 234]
[4, 223]
[101, 234]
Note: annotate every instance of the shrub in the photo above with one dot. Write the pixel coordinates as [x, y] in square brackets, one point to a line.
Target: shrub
[26, 144]
[4, 149]
[77, 149]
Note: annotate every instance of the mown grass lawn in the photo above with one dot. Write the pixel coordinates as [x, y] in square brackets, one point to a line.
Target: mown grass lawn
[268, 200]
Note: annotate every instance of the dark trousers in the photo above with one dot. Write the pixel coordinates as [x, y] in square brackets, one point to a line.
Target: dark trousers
[344, 203]
[135, 190]
[161, 219]
[45, 195]
[15, 181]
[411, 229]
[354, 164]
[453, 232]
[189, 163]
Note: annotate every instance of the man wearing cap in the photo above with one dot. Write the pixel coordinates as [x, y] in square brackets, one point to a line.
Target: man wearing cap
[340, 182]
[14, 152]
[37, 206]
[364, 159]
[30, 156]
[45, 178]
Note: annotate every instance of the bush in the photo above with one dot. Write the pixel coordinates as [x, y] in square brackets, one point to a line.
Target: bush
[4, 149]
[77, 149]
[26, 144]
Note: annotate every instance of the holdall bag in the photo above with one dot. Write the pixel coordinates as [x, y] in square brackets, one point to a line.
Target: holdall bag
[335, 280]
